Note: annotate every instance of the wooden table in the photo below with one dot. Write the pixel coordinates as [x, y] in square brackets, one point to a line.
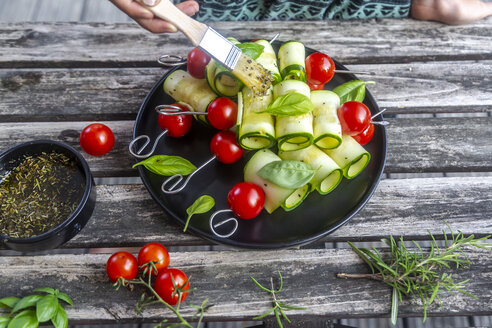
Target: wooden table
[57, 78]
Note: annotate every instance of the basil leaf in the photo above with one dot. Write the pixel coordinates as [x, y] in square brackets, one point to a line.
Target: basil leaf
[352, 91]
[4, 321]
[45, 290]
[250, 49]
[64, 297]
[60, 320]
[25, 319]
[203, 204]
[290, 104]
[26, 302]
[8, 302]
[46, 308]
[287, 174]
[167, 165]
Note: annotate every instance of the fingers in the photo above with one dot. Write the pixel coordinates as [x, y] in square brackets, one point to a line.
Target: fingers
[188, 7]
[133, 9]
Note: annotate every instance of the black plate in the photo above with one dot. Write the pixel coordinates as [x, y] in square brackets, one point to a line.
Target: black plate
[316, 217]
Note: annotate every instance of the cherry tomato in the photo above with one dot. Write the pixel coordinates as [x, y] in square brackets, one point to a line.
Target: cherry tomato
[222, 113]
[197, 60]
[154, 252]
[319, 68]
[246, 200]
[365, 136]
[122, 265]
[164, 287]
[96, 139]
[225, 147]
[315, 86]
[176, 125]
[354, 117]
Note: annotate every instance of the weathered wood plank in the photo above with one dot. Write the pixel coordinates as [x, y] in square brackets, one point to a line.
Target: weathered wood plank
[89, 94]
[57, 11]
[438, 144]
[102, 11]
[381, 41]
[408, 207]
[16, 11]
[224, 277]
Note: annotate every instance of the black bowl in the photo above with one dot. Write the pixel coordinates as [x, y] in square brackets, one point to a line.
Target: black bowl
[65, 231]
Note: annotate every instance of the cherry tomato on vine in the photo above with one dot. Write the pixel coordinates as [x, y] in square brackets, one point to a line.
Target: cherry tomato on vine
[320, 68]
[222, 113]
[197, 60]
[154, 252]
[96, 139]
[365, 136]
[225, 147]
[354, 117]
[315, 86]
[176, 125]
[121, 265]
[164, 287]
[246, 200]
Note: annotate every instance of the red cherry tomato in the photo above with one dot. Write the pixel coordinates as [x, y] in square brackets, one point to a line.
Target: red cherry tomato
[354, 117]
[164, 287]
[365, 136]
[246, 200]
[222, 113]
[319, 68]
[96, 139]
[176, 125]
[122, 265]
[197, 60]
[154, 252]
[315, 86]
[225, 147]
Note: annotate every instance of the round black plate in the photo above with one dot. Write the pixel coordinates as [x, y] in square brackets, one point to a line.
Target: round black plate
[316, 217]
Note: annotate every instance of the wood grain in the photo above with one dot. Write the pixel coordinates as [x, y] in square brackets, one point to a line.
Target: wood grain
[122, 44]
[116, 94]
[224, 277]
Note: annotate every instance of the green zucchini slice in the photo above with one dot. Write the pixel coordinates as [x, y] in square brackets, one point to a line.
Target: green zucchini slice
[268, 59]
[291, 57]
[327, 130]
[350, 156]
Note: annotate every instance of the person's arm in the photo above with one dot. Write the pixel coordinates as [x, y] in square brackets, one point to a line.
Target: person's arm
[453, 12]
[147, 20]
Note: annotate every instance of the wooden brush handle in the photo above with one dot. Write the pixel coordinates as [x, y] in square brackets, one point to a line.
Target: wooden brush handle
[193, 30]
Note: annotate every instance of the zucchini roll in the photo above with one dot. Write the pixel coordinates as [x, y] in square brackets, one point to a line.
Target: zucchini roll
[195, 92]
[328, 174]
[275, 196]
[350, 156]
[255, 130]
[293, 132]
[327, 130]
[291, 58]
[268, 59]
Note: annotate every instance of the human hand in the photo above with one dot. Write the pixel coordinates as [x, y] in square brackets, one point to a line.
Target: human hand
[147, 19]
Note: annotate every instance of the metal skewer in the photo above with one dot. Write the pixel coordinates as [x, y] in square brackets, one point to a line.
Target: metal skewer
[231, 219]
[178, 178]
[147, 141]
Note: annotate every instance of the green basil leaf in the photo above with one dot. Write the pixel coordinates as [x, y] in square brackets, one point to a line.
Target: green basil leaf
[45, 290]
[4, 321]
[64, 297]
[46, 308]
[60, 320]
[25, 319]
[8, 302]
[26, 302]
[250, 49]
[290, 104]
[203, 204]
[167, 165]
[352, 91]
[287, 174]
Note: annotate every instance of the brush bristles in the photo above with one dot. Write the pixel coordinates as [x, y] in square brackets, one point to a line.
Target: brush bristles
[257, 78]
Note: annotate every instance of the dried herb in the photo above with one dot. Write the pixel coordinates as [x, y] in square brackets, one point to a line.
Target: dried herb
[415, 273]
[39, 194]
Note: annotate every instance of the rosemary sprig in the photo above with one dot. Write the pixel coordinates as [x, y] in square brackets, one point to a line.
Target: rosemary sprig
[418, 274]
[278, 307]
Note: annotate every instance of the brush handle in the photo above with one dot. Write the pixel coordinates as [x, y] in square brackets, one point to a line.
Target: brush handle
[193, 30]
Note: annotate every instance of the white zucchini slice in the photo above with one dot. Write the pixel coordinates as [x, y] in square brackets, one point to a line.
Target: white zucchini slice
[275, 196]
[293, 132]
[327, 130]
[291, 57]
[268, 59]
[195, 92]
[256, 130]
[328, 174]
[350, 156]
